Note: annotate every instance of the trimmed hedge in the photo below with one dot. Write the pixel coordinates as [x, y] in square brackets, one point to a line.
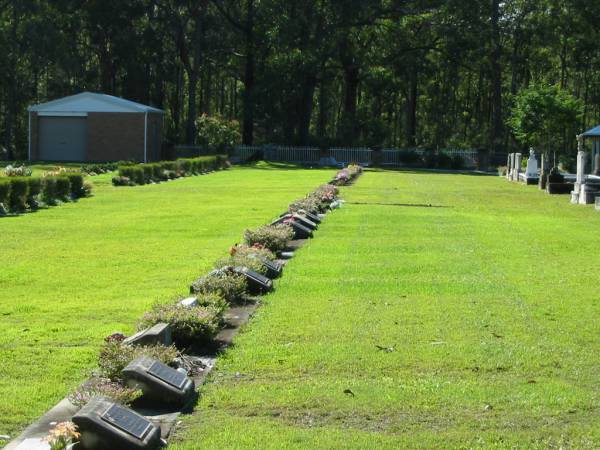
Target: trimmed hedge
[4, 193]
[19, 189]
[17, 194]
[165, 170]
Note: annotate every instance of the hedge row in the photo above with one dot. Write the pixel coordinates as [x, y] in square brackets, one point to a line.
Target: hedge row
[138, 174]
[18, 194]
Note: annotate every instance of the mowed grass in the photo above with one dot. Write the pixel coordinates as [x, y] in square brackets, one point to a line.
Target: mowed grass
[72, 274]
[472, 323]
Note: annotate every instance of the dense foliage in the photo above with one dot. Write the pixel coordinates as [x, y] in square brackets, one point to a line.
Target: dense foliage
[352, 72]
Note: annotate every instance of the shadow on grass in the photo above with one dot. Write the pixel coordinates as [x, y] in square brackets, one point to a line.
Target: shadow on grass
[266, 165]
[409, 205]
[414, 170]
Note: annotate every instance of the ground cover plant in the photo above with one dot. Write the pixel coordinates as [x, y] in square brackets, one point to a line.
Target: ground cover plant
[433, 311]
[75, 274]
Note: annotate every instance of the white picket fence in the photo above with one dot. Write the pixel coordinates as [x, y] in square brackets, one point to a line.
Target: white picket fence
[279, 153]
[346, 155]
[352, 155]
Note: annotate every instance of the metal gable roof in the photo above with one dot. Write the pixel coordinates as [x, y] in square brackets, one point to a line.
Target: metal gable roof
[92, 102]
[594, 132]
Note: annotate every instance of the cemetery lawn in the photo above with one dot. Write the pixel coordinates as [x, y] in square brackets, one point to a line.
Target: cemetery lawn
[469, 324]
[72, 274]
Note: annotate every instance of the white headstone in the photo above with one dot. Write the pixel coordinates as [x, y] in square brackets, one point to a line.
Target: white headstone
[580, 167]
[532, 165]
[518, 159]
[189, 302]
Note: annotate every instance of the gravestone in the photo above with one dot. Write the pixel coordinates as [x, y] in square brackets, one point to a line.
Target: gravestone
[517, 171]
[303, 220]
[509, 166]
[257, 283]
[314, 217]
[159, 334]
[158, 382]
[531, 172]
[580, 177]
[106, 425]
[273, 269]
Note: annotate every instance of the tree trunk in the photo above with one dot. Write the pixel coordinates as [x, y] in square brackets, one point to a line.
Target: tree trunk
[496, 75]
[411, 108]
[349, 127]
[306, 108]
[248, 127]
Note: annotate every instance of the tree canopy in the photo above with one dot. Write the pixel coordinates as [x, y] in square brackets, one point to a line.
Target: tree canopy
[389, 73]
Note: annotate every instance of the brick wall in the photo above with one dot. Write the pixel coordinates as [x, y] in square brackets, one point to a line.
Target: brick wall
[115, 136]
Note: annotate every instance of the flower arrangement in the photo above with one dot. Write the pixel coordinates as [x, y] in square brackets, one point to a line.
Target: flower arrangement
[17, 171]
[63, 435]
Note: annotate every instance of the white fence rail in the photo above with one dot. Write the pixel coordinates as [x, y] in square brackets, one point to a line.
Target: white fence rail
[346, 155]
[291, 154]
[352, 155]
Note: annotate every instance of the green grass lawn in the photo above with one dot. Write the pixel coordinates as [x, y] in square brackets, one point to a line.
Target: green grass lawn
[469, 325]
[72, 274]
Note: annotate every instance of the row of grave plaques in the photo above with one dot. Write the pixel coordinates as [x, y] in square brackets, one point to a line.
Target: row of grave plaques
[104, 424]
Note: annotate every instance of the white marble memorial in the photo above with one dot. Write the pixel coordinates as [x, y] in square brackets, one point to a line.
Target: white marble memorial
[532, 165]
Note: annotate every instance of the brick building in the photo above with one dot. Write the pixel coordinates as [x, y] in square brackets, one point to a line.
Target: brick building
[95, 128]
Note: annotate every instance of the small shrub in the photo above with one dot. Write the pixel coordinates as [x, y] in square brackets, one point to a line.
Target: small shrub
[184, 166]
[35, 187]
[158, 174]
[104, 387]
[148, 172]
[227, 284]
[256, 249]
[310, 203]
[122, 181]
[87, 189]
[134, 173]
[49, 190]
[76, 184]
[239, 260]
[273, 237]
[63, 188]
[195, 324]
[4, 195]
[19, 189]
[115, 355]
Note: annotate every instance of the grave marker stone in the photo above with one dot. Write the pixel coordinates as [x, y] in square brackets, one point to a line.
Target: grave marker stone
[257, 283]
[158, 382]
[104, 425]
[159, 334]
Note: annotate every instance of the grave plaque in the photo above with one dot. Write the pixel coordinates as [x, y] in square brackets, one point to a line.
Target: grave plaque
[314, 217]
[298, 218]
[305, 221]
[158, 382]
[168, 374]
[257, 283]
[158, 334]
[104, 424]
[127, 420]
[273, 269]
